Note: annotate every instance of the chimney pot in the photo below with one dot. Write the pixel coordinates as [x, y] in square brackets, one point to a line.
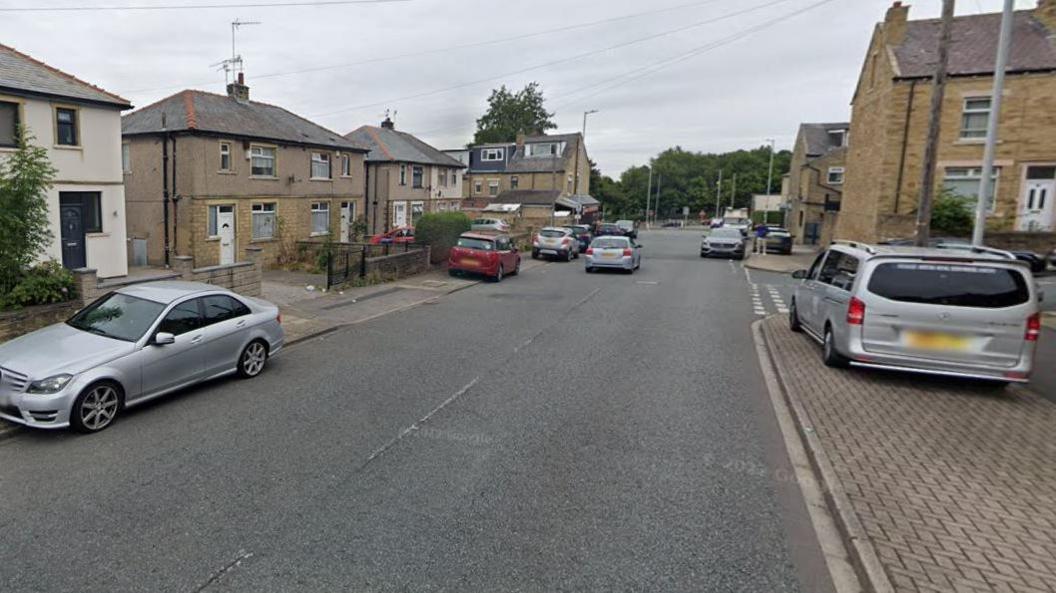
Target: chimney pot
[388, 123]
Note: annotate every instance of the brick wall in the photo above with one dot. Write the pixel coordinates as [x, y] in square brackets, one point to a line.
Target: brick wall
[1041, 243]
[27, 319]
[400, 265]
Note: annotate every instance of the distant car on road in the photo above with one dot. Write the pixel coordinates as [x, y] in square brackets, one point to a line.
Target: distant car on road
[723, 242]
[963, 313]
[622, 253]
[741, 224]
[629, 228]
[582, 234]
[715, 223]
[490, 224]
[490, 254]
[608, 229]
[403, 234]
[555, 242]
[130, 346]
[778, 240]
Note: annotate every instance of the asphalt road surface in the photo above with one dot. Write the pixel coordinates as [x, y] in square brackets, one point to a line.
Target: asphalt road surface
[556, 432]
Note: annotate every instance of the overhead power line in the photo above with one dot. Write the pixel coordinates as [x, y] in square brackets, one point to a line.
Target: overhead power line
[555, 62]
[426, 52]
[194, 6]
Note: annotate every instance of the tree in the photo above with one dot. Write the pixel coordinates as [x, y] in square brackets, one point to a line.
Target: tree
[510, 114]
[25, 177]
[951, 215]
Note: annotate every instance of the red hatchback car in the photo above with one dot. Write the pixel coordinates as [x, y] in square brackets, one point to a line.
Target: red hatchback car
[403, 234]
[490, 254]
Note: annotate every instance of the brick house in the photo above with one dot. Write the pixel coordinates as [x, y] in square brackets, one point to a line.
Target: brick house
[239, 173]
[405, 177]
[815, 181]
[890, 118]
[79, 125]
[542, 162]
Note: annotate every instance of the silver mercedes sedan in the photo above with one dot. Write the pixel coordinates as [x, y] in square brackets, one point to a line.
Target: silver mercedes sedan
[130, 346]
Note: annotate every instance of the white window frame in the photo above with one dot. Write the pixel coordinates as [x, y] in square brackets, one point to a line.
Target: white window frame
[126, 158]
[264, 209]
[497, 185]
[346, 165]
[972, 176]
[492, 154]
[418, 206]
[442, 177]
[320, 208]
[403, 174]
[841, 171]
[843, 136]
[478, 186]
[975, 134]
[225, 152]
[555, 148]
[417, 176]
[321, 159]
[263, 153]
[212, 223]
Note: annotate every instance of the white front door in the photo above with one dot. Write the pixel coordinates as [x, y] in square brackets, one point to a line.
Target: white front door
[399, 214]
[225, 225]
[1036, 206]
[348, 214]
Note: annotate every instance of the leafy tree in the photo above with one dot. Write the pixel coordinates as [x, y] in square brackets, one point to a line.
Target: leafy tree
[951, 215]
[512, 113]
[440, 231]
[25, 176]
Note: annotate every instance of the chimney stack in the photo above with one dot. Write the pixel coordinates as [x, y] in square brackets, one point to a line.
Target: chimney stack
[238, 90]
[1046, 13]
[895, 23]
[388, 123]
[520, 140]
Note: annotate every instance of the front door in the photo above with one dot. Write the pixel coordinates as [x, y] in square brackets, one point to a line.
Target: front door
[71, 218]
[225, 224]
[399, 214]
[348, 214]
[1036, 212]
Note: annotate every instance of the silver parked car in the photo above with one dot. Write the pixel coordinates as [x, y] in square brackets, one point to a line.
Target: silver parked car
[622, 253]
[490, 224]
[130, 346]
[971, 313]
[723, 242]
[555, 242]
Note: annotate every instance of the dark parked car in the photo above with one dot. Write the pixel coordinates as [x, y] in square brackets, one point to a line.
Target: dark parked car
[608, 229]
[1035, 261]
[582, 234]
[778, 240]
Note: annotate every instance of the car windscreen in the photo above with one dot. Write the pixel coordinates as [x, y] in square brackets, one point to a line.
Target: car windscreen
[609, 243]
[950, 284]
[625, 224]
[776, 232]
[482, 244]
[118, 316]
[610, 228]
[721, 233]
[552, 233]
[581, 228]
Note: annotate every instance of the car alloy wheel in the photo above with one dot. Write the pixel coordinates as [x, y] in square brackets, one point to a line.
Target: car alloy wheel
[569, 257]
[830, 356]
[96, 408]
[793, 318]
[251, 363]
[499, 274]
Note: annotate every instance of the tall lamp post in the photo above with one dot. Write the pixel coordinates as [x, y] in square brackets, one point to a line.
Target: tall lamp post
[769, 180]
[582, 138]
[985, 187]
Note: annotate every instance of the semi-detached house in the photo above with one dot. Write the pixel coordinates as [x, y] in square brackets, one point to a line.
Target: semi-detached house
[209, 175]
[80, 126]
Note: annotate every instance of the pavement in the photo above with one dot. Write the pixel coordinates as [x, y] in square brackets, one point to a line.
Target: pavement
[557, 431]
[940, 485]
[801, 258]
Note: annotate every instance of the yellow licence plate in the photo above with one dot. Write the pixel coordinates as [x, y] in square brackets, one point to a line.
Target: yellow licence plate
[609, 255]
[936, 341]
[472, 263]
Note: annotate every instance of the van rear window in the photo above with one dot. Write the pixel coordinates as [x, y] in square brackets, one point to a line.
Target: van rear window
[950, 284]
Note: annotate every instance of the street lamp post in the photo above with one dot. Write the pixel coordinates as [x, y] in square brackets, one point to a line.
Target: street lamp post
[582, 138]
[985, 187]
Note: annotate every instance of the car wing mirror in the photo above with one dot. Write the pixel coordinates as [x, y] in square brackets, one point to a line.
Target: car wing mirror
[163, 338]
[799, 274]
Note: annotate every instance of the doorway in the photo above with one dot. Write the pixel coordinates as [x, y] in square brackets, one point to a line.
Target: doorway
[225, 227]
[74, 253]
[1036, 204]
[399, 214]
[348, 214]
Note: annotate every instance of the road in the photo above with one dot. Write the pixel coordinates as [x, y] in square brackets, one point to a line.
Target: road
[556, 432]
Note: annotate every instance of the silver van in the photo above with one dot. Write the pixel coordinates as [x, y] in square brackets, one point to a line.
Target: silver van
[966, 313]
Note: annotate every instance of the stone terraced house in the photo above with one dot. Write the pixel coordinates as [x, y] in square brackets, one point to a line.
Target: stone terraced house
[815, 181]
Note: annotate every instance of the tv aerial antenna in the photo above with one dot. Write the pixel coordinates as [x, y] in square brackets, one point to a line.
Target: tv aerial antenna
[232, 66]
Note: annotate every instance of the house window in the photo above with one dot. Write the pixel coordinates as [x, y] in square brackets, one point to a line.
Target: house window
[416, 177]
[66, 126]
[443, 177]
[320, 165]
[478, 186]
[403, 174]
[417, 210]
[493, 187]
[320, 218]
[262, 161]
[975, 117]
[263, 221]
[835, 175]
[514, 182]
[225, 156]
[214, 211]
[8, 124]
[542, 149]
[126, 158]
[346, 165]
[492, 154]
[838, 137]
[963, 182]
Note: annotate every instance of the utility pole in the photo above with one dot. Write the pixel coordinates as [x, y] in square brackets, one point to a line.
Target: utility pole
[718, 194]
[648, 196]
[931, 148]
[659, 184]
[582, 139]
[1001, 62]
[733, 193]
[770, 173]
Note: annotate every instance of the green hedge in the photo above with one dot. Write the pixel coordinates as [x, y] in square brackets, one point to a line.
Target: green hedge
[45, 283]
[440, 232]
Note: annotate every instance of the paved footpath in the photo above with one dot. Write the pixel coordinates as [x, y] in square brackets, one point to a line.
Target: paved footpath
[953, 483]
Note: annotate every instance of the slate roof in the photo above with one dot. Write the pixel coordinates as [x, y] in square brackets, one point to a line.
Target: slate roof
[21, 73]
[539, 197]
[521, 163]
[816, 136]
[388, 145]
[973, 48]
[200, 111]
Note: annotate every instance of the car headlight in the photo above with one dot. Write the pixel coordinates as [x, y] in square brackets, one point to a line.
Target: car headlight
[50, 385]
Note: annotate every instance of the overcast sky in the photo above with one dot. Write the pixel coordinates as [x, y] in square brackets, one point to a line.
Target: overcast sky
[748, 82]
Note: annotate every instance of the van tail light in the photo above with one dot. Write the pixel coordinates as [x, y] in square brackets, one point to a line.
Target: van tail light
[590, 251]
[627, 253]
[1033, 328]
[278, 318]
[855, 312]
